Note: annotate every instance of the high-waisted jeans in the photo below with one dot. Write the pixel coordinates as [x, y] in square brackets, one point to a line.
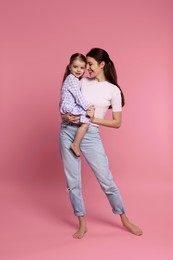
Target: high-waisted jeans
[92, 149]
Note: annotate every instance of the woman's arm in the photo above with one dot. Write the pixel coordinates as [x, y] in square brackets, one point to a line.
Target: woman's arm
[115, 122]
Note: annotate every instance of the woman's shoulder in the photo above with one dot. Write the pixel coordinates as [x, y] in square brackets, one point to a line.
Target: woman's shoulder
[112, 86]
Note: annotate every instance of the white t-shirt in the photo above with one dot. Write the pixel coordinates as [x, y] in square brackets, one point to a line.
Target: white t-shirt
[101, 95]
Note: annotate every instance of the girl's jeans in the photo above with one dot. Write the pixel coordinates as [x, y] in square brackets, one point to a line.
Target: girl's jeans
[92, 149]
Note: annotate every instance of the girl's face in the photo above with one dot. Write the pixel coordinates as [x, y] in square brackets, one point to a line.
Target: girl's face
[77, 68]
[94, 68]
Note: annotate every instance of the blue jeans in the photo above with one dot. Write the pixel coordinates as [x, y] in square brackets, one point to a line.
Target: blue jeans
[93, 151]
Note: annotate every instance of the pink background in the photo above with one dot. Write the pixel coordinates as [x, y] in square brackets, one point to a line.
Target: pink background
[37, 38]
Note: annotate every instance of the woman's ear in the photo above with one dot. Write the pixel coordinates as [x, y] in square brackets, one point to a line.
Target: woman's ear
[102, 64]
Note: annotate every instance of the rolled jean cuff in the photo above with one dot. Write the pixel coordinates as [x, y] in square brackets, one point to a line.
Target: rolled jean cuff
[119, 212]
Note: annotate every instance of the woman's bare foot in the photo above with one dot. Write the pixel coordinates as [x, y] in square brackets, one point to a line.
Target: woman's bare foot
[82, 228]
[130, 226]
[75, 149]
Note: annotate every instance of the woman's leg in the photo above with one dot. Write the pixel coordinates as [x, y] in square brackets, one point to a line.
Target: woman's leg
[82, 228]
[130, 226]
[72, 169]
[93, 150]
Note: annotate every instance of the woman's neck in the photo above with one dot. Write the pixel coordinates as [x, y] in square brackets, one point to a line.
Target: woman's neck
[100, 78]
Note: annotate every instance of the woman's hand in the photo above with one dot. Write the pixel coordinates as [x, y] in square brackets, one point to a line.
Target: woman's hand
[70, 118]
[90, 112]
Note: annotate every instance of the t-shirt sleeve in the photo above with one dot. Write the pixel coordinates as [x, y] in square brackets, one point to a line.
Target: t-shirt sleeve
[116, 102]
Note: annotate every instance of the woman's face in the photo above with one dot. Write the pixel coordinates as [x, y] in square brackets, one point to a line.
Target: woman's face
[94, 68]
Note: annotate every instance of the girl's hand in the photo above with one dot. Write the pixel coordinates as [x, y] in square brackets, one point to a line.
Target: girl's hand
[70, 118]
[90, 112]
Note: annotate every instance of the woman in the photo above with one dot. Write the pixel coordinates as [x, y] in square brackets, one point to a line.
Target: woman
[101, 90]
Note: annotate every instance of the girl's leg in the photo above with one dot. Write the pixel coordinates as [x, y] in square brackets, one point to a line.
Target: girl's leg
[93, 150]
[75, 146]
[72, 169]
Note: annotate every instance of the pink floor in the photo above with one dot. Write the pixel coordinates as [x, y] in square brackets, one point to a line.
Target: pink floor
[37, 222]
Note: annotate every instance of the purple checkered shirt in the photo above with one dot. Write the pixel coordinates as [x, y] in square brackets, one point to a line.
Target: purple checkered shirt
[72, 100]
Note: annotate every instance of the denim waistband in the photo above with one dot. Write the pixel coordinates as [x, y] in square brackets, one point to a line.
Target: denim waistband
[76, 125]
[70, 124]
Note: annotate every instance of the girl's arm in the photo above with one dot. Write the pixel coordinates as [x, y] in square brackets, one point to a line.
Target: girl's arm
[74, 88]
[115, 122]
[70, 118]
[75, 119]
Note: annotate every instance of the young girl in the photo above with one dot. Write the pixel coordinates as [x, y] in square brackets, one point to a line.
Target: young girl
[72, 100]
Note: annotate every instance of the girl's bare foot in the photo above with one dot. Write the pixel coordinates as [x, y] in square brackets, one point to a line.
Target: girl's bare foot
[130, 226]
[82, 228]
[75, 149]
